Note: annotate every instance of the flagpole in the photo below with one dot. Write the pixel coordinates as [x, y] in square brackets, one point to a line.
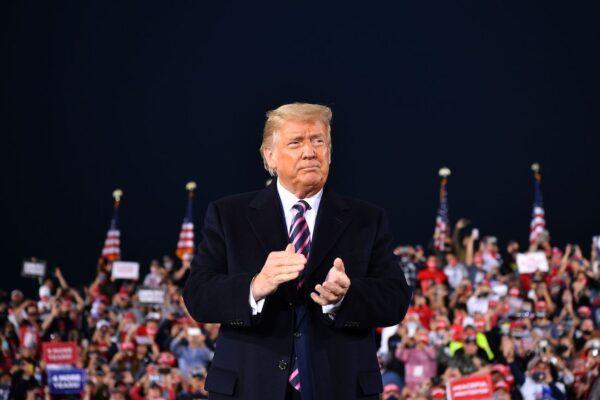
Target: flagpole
[185, 245]
[117, 194]
[538, 220]
[442, 223]
[190, 187]
[535, 167]
[444, 173]
[112, 244]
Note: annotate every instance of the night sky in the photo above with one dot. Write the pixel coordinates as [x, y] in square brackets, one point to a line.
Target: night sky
[147, 95]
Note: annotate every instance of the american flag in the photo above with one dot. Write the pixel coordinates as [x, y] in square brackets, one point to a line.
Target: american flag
[442, 223]
[538, 221]
[112, 244]
[185, 245]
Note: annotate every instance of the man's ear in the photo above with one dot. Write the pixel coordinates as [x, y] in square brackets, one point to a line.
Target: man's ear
[270, 157]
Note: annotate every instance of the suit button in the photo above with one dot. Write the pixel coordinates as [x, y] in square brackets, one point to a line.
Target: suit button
[282, 365]
[297, 334]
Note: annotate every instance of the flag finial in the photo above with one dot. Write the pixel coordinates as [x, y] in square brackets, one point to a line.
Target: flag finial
[185, 245]
[535, 167]
[445, 172]
[117, 194]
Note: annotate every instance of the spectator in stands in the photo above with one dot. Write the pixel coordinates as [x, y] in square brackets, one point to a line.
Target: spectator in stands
[535, 334]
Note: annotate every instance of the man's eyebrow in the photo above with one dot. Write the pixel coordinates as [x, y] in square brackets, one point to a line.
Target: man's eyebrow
[300, 135]
[295, 136]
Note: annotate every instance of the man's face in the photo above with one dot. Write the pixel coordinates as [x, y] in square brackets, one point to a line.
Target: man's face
[16, 297]
[300, 156]
[478, 259]
[154, 393]
[32, 313]
[451, 259]
[432, 263]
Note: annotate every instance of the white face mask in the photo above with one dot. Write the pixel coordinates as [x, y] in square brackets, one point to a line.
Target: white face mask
[412, 327]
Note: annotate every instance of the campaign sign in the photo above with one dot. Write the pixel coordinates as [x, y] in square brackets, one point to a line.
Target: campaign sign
[529, 263]
[34, 268]
[474, 387]
[151, 296]
[125, 270]
[60, 352]
[66, 381]
[4, 392]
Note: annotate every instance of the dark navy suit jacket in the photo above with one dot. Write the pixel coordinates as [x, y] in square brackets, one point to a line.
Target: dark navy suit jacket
[253, 354]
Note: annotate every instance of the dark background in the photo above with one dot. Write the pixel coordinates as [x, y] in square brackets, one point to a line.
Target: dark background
[147, 95]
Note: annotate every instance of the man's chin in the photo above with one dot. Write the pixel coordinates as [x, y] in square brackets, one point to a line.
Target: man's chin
[311, 179]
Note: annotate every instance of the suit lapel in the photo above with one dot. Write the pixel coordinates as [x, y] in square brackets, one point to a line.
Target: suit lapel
[266, 218]
[332, 218]
[265, 215]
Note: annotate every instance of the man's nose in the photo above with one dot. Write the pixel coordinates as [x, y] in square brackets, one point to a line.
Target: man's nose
[308, 150]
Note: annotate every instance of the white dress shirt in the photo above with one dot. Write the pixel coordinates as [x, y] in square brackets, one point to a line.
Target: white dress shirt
[288, 200]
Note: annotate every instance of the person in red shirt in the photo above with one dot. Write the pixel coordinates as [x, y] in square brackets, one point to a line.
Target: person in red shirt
[431, 274]
[422, 308]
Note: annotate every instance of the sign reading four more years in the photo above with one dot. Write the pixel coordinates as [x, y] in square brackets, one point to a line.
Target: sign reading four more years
[60, 352]
[66, 381]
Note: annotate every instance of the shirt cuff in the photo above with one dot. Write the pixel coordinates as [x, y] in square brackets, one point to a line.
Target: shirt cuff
[332, 308]
[256, 306]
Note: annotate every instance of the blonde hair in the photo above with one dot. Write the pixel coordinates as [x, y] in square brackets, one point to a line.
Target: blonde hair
[303, 112]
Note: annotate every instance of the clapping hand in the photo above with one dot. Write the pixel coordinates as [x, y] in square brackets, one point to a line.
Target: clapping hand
[280, 267]
[335, 286]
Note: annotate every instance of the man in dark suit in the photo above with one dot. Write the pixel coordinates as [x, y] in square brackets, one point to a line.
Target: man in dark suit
[297, 275]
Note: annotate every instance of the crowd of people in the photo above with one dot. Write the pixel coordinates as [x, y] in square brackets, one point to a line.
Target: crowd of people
[472, 313]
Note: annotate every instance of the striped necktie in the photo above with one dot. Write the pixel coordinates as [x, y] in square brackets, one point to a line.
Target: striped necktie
[300, 234]
[300, 238]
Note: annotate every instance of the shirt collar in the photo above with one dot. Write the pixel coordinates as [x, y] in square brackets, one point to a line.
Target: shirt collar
[288, 199]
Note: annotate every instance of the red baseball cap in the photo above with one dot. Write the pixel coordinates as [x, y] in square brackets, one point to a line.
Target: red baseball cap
[127, 346]
[584, 310]
[500, 368]
[391, 387]
[422, 337]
